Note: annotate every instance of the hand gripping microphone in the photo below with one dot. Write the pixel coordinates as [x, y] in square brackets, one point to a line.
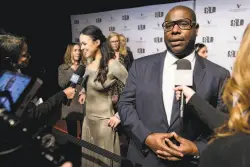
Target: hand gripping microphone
[75, 79]
[183, 76]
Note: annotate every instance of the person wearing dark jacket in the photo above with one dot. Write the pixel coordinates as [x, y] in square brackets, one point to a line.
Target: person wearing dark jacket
[151, 116]
[126, 52]
[12, 48]
[41, 111]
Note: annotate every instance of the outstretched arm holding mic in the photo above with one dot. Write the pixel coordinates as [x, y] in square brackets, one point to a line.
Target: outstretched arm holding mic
[76, 79]
[211, 116]
[42, 111]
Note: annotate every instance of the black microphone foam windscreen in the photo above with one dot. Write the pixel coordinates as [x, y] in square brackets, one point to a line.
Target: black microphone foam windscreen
[184, 73]
[80, 70]
[77, 75]
[183, 64]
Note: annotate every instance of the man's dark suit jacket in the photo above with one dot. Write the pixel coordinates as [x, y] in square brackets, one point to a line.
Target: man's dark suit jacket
[142, 112]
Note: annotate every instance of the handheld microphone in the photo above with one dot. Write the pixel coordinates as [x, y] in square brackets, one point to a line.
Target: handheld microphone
[75, 78]
[183, 76]
[83, 81]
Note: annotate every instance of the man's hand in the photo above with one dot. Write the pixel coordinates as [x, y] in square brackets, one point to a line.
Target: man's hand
[70, 92]
[186, 146]
[156, 142]
[113, 122]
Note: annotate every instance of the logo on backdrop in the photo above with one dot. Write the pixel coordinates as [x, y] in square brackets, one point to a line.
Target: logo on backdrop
[141, 16]
[125, 28]
[77, 31]
[234, 40]
[141, 40]
[111, 28]
[141, 27]
[140, 50]
[207, 39]
[157, 26]
[127, 39]
[231, 53]
[159, 14]
[111, 18]
[85, 21]
[98, 20]
[237, 22]
[158, 39]
[125, 17]
[76, 21]
[76, 40]
[238, 8]
[208, 23]
[209, 9]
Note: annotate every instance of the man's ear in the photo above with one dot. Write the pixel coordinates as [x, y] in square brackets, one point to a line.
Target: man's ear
[197, 26]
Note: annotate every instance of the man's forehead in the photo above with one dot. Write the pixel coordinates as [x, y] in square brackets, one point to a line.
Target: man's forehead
[178, 14]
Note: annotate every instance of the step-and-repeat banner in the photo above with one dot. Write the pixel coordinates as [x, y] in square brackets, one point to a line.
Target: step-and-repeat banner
[142, 26]
[222, 23]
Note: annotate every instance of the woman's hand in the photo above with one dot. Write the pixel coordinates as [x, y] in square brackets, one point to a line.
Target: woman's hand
[114, 121]
[188, 92]
[82, 98]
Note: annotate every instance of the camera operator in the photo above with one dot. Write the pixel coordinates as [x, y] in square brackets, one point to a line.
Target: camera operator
[12, 50]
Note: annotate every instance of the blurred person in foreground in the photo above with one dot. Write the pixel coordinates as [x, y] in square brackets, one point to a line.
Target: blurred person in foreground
[230, 145]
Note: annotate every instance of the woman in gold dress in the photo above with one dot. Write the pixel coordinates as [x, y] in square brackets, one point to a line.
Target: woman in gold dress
[100, 122]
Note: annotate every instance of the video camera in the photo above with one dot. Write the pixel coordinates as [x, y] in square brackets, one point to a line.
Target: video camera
[36, 141]
[17, 131]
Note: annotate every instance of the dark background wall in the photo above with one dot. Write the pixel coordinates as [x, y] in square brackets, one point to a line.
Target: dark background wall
[47, 28]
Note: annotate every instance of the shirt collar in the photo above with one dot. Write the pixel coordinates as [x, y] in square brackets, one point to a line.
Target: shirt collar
[171, 58]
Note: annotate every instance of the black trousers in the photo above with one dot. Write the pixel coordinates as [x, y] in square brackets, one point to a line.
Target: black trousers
[72, 127]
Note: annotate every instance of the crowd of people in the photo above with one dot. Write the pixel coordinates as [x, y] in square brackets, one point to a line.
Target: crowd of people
[138, 99]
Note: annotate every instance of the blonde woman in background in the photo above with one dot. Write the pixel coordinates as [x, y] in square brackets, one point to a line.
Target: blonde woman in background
[125, 51]
[114, 43]
[73, 58]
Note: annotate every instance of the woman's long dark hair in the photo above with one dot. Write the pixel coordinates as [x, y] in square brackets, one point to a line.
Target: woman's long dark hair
[96, 34]
[198, 47]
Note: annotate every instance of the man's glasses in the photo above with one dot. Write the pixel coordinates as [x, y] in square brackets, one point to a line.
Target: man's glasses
[184, 24]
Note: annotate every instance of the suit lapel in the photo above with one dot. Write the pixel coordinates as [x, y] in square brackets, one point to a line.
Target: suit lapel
[160, 67]
[199, 72]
